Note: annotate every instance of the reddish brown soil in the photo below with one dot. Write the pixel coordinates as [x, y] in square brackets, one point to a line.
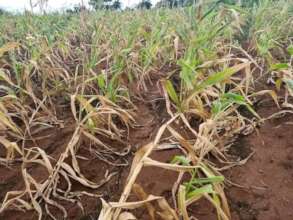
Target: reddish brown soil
[267, 177]
[265, 181]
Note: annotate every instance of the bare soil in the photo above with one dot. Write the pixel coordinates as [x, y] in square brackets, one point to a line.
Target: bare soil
[267, 178]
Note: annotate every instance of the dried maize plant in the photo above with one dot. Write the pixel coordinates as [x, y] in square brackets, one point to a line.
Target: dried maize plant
[220, 123]
[85, 77]
[32, 103]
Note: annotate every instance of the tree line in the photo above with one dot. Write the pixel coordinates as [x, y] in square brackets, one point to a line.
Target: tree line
[146, 4]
